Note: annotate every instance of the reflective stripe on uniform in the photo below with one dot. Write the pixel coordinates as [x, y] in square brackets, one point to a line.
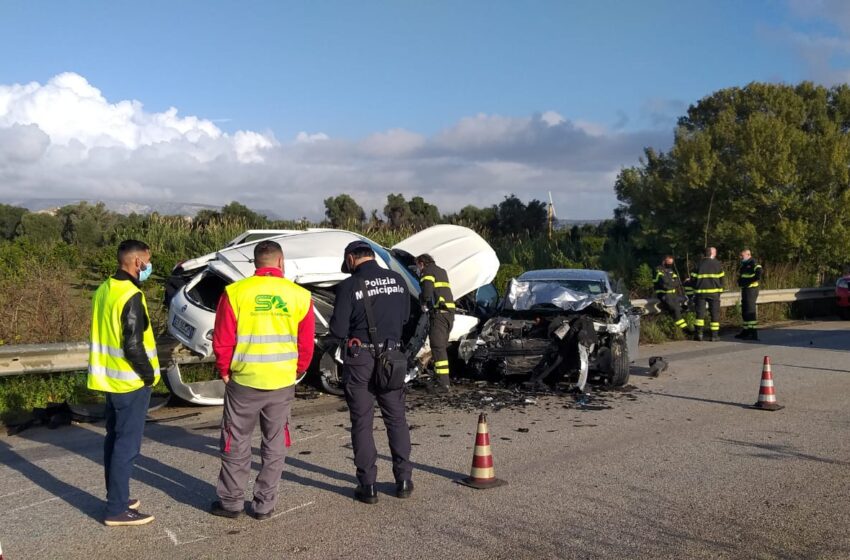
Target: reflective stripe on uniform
[681, 323]
[699, 322]
[709, 291]
[264, 358]
[115, 352]
[427, 279]
[264, 338]
[715, 326]
[715, 275]
[111, 373]
[665, 291]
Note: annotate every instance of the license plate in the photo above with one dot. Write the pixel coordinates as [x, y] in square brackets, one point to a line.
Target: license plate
[183, 327]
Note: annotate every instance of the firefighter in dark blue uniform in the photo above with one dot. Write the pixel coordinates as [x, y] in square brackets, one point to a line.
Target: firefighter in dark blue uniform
[708, 287]
[390, 300]
[668, 291]
[437, 300]
[749, 276]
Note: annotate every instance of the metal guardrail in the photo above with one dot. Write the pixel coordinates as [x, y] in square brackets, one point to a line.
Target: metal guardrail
[65, 357]
[74, 356]
[730, 299]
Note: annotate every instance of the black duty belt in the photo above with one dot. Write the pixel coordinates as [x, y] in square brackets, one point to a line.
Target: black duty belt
[390, 344]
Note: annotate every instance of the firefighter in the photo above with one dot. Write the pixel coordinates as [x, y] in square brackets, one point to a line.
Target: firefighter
[667, 290]
[437, 300]
[263, 343]
[708, 286]
[123, 363]
[749, 275]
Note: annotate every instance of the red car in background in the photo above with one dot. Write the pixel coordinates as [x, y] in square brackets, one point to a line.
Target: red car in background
[842, 296]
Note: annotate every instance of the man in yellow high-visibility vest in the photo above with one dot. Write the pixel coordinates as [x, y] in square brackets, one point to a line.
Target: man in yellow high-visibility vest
[263, 343]
[123, 364]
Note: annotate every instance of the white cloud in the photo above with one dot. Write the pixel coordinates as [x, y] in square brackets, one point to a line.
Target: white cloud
[64, 139]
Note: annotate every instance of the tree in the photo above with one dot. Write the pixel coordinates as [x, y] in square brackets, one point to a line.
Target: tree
[237, 211]
[766, 166]
[10, 220]
[41, 228]
[85, 224]
[423, 214]
[397, 210]
[343, 212]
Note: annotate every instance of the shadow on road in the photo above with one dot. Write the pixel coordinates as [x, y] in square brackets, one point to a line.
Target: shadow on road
[812, 368]
[152, 472]
[780, 451]
[837, 340]
[77, 498]
[699, 399]
[187, 439]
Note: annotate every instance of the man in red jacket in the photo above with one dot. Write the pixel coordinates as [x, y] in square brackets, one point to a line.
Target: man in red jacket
[263, 343]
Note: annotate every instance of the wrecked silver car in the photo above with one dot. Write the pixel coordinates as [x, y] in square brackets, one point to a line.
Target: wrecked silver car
[557, 325]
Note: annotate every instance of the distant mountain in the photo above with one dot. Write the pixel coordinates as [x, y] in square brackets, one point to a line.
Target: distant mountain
[118, 206]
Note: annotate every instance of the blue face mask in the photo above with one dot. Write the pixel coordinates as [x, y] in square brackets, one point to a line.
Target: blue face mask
[145, 273]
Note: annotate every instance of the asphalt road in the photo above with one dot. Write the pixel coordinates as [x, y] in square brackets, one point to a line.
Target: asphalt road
[672, 467]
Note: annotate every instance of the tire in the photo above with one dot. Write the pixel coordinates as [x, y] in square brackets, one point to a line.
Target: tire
[330, 375]
[619, 375]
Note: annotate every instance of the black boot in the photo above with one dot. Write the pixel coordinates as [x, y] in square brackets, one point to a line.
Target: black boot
[744, 334]
[715, 336]
[366, 493]
[698, 335]
[754, 334]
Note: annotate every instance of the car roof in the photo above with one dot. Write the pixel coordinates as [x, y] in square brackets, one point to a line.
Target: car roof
[564, 274]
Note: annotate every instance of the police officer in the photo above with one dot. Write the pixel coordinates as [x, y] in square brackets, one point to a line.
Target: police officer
[390, 301]
[749, 275]
[123, 363]
[263, 343]
[437, 300]
[708, 286]
[667, 290]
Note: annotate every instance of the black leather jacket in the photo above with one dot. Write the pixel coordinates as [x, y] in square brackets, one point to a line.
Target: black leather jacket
[134, 322]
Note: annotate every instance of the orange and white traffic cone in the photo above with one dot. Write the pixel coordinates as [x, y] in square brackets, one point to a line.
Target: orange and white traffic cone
[767, 393]
[483, 474]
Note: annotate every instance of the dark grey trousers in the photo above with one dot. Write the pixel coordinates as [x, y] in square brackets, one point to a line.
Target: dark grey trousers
[242, 406]
[360, 394]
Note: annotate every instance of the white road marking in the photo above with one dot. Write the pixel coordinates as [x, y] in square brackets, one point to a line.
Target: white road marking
[306, 438]
[290, 510]
[173, 537]
[19, 492]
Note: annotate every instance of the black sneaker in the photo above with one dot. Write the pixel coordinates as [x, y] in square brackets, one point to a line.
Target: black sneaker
[404, 489]
[129, 517]
[366, 493]
[134, 504]
[217, 509]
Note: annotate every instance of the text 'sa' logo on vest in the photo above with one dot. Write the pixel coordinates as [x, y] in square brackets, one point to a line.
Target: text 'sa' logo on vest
[268, 302]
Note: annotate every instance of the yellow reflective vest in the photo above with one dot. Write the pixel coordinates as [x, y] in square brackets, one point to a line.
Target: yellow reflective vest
[109, 370]
[268, 310]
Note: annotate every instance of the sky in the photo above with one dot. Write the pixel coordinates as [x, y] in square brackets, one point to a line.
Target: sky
[281, 104]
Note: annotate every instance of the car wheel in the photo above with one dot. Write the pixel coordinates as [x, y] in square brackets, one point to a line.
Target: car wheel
[619, 363]
[330, 374]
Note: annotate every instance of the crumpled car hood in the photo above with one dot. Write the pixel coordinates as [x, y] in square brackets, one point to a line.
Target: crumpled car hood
[522, 296]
